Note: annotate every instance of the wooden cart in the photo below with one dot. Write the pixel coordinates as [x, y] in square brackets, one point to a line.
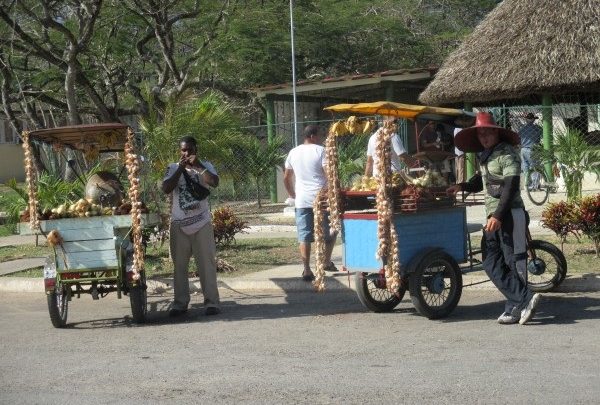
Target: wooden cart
[92, 255]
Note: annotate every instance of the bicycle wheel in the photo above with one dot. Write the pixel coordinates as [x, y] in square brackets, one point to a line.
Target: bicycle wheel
[537, 186]
[548, 269]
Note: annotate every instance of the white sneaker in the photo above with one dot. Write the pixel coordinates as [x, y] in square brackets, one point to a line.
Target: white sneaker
[528, 312]
[508, 319]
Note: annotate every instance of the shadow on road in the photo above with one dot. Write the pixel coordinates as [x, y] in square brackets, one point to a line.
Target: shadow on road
[552, 310]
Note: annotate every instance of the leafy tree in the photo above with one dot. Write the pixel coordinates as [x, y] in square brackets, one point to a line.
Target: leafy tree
[70, 61]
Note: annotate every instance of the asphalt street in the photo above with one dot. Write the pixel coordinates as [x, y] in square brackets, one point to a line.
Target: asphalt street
[299, 347]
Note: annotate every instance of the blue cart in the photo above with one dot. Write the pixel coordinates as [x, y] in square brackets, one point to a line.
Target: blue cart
[432, 244]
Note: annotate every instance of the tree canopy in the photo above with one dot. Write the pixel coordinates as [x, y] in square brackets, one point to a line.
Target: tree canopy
[69, 60]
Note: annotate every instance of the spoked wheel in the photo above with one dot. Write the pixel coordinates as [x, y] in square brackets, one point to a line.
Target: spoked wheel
[373, 293]
[138, 298]
[436, 285]
[58, 305]
[548, 269]
[538, 188]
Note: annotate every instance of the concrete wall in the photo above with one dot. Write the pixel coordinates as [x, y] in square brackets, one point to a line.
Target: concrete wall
[11, 162]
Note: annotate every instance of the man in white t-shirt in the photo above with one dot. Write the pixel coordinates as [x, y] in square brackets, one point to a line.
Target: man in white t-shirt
[191, 230]
[306, 164]
[398, 154]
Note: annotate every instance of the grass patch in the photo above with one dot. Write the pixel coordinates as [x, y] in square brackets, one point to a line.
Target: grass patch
[8, 253]
[246, 256]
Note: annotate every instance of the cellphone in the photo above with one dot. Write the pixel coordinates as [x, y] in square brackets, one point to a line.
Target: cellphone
[191, 159]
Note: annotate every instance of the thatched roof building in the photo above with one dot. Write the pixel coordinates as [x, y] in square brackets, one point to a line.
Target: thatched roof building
[523, 47]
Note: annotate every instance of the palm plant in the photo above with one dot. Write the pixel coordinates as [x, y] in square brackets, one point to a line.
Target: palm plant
[574, 158]
[261, 158]
[209, 119]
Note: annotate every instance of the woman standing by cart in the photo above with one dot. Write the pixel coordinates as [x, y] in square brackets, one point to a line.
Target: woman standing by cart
[505, 231]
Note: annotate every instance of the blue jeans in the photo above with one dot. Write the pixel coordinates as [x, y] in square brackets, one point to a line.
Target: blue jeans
[305, 224]
[527, 163]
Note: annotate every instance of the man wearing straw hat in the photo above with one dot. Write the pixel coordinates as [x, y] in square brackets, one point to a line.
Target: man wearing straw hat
[505, 231]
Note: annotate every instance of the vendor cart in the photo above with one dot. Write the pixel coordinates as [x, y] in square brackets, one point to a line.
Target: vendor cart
[410, 235]
[97, 248]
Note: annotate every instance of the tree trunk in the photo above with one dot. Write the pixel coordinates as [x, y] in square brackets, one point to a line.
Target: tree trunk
[70, 94]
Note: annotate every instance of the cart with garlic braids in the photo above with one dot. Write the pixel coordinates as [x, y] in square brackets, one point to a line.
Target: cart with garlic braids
[97, 248]
[414, 236]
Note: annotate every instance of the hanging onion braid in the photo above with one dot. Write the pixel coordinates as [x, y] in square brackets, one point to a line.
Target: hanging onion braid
[333, 183]
[387, 249]
[31, 179]
[133, 169]
[319, 208]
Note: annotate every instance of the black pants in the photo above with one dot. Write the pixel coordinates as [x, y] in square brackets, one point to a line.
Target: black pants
[500, 265]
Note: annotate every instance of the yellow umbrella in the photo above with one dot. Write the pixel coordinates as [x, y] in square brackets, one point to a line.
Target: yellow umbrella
[400, 110]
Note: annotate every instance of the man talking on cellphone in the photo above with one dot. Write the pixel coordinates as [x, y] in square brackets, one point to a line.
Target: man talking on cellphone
[191, 231]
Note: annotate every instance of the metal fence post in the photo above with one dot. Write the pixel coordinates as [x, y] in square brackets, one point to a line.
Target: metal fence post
[270, 107]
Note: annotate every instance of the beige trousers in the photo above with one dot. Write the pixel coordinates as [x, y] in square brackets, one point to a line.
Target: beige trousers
[460, 169]
[201, 245]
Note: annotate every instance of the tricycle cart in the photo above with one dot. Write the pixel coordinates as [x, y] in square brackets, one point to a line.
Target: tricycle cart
[407, 234]
[97, 248]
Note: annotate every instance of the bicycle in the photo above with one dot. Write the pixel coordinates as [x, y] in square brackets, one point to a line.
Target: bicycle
[537, 185]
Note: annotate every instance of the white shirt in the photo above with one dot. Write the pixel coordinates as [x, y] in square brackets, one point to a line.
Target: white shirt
[194, 216]
[308, 162]
[457, 151]
[397, 150]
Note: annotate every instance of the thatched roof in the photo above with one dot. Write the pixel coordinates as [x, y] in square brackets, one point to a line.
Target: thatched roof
[523, 47]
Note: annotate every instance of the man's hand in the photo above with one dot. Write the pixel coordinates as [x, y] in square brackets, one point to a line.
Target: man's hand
[492, 225]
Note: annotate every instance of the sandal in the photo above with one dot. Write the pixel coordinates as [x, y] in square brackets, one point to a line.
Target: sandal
[308, 277]
[331, 267]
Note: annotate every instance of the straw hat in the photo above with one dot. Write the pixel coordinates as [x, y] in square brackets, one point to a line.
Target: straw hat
[466, 140]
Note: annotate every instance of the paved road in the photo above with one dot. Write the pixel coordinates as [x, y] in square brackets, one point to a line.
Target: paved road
[300, 348]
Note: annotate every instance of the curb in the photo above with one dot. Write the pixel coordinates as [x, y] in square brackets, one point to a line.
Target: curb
[338, 282]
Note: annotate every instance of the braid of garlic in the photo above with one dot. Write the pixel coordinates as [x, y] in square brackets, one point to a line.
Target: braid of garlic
[383, 199]
[392, 269]
[320, 245]
[133, 169]
[31, 179]
[333, 182]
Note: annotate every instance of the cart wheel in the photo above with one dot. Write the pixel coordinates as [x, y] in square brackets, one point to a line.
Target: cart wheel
[373, 293]
[139, 300]
[548, 269]
[58, 306]
[435, 285]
